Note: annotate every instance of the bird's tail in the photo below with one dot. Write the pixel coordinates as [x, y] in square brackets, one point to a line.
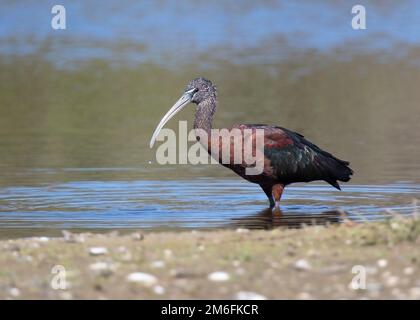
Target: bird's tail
[338, 170]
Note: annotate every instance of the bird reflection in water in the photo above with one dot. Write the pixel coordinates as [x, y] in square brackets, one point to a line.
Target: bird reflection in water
[269, 219]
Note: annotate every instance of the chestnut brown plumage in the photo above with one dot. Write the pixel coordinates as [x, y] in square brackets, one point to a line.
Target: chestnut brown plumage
[288, 156]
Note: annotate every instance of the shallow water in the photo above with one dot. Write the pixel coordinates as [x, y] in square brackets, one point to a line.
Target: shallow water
[77, 109]
[188, 204]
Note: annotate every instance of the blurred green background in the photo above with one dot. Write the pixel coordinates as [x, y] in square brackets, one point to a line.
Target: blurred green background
[90, 96]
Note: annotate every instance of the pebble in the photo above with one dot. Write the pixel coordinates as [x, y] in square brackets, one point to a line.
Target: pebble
[218, 276]
[98, 266]
[382, 263]
[371, 270]
[374, 286]
[396, 292]
[249, 295]
[302, 265]
[103, 268]
[236, 263]
[182, 273]
[143, 278]
[14, 292]
[242, 230]
[414, 293]
[240, 271]
[66, 295]
[97, 251]
[408, 271]
[138, 236]
[73, 237]
[312, 253]
[167, 253]
[395, 225]
[158, 290]
[158, 264]
[304, 296]
[42, 239]
[392, 281]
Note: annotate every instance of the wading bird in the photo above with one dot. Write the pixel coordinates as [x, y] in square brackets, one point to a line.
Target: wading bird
[287, 156]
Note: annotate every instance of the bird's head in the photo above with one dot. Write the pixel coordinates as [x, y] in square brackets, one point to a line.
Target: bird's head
[197, 91]
[200, 90]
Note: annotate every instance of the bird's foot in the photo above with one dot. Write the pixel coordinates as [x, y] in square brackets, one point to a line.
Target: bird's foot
[276, 193]
[274, 204]
[276, 211]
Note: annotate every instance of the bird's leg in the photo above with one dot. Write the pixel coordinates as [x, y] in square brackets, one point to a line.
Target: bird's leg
[276, 192]
[268, 192]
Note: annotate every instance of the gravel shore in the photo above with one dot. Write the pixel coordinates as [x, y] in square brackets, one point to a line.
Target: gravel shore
[378, 260]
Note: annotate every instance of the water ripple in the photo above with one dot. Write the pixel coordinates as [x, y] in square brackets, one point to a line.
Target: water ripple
[201, 203]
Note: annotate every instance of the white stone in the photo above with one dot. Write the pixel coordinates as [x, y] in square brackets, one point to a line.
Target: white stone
[242, 230]
[382, 263]
[102, 267]
[392, 281]
[167, 253]
[158, 264]
[249, 295]
[395, 226]
[66, 295]
[72, 237]
[408, 271]
[14, 292]
[143, 278]
[218, 276]
[97, 251]
[415, 293]
[304, 296]
[302, 265]
[158, 290]
[42, 239]
[236, 263]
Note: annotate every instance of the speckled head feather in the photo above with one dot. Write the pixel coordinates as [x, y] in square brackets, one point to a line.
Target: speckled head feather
[203, 89]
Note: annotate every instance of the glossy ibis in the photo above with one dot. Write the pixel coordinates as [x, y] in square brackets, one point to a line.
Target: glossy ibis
[288, 156]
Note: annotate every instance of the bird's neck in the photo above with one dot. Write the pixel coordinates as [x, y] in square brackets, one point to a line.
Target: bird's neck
[204, 114]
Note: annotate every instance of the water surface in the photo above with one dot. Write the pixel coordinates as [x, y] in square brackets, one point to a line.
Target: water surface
[206, 203]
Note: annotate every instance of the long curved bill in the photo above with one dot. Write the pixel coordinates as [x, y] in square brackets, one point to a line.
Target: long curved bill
[181, 103]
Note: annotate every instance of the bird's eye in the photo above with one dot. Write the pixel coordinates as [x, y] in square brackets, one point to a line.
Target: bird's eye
[192, 91]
